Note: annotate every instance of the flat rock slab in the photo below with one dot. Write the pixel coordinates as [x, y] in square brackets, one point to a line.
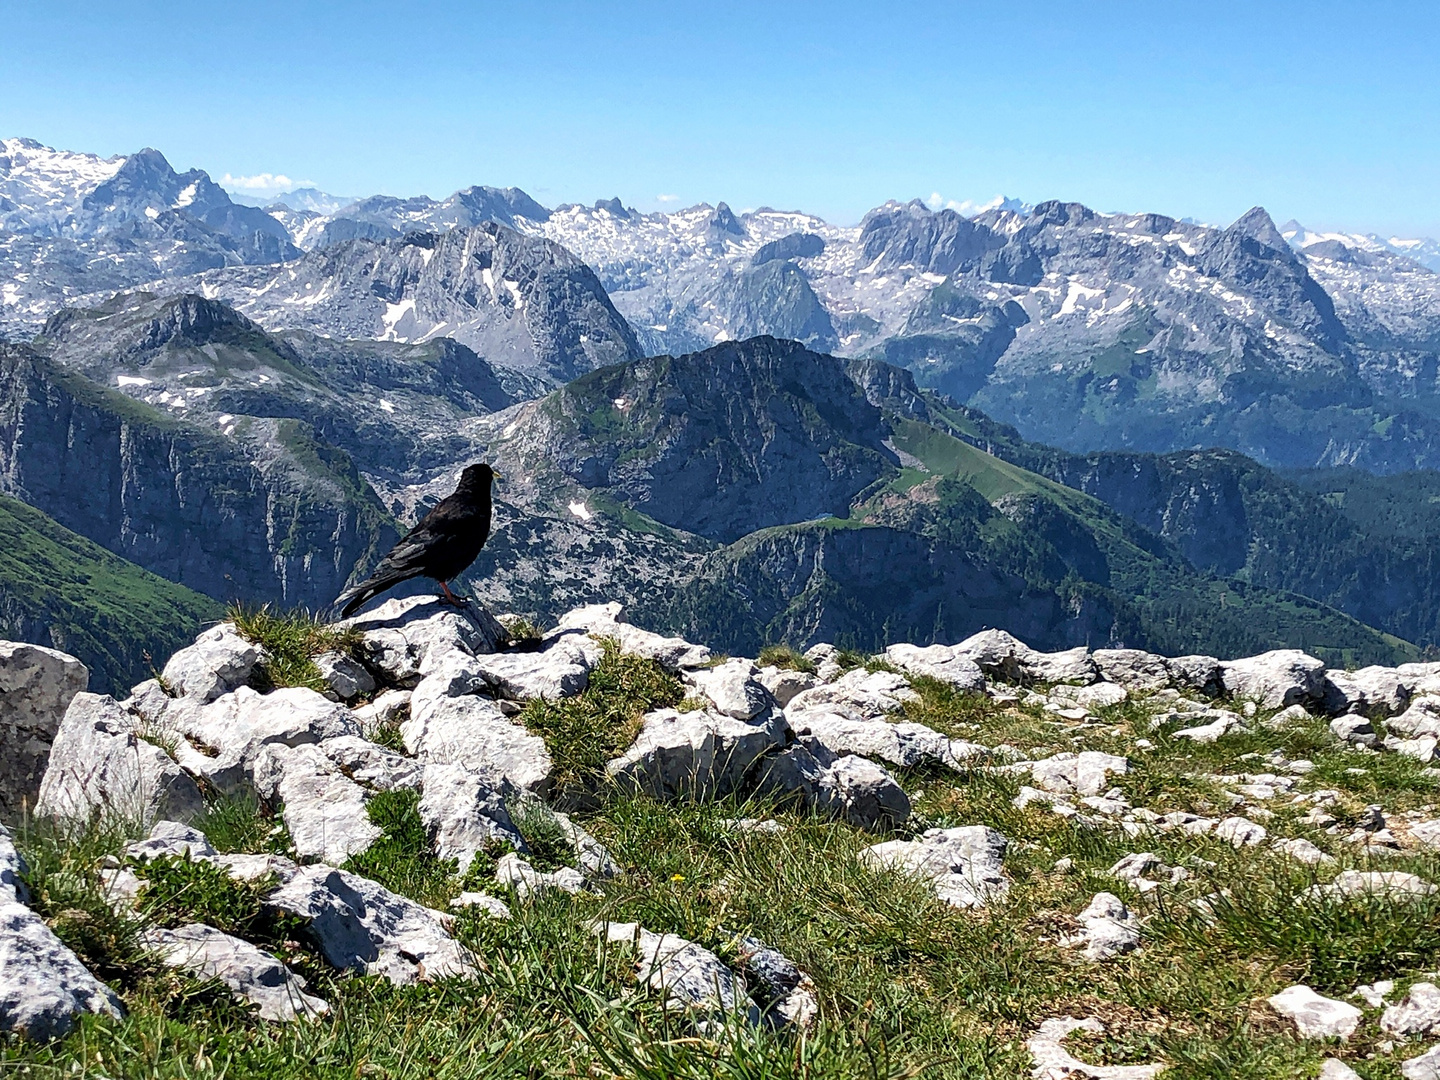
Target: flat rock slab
[252, 974]
[604, 621]
[941, 662]
[1316, 1016]
[43, 985]
[964, 865]
[866, 695]
[363, 926]
[560, 669]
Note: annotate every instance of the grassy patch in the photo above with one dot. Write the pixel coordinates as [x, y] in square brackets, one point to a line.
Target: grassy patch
[243, 824]
[584, 732]
[181, 890]
[786, 658]
[291, 640]
[403, 859]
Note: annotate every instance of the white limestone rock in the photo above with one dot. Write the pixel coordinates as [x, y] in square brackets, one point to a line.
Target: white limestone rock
[867, 694]
[1220, 725]
[941, 662]
[1315, 1016]
[405, 637]
[346, 677]
[1302, 851]
[1110, 929]
[100, 768]
[1370, 691]
[1395, 885]
[323, 809]
[219, 661]
[43, 985]
[12, 870]
[786, 993]
[464, 812]
[1137, 671]
[482, 902]
[387, 710]
[604, 621]
[1085, 773]
[1101, 695]
[691, 978]
[1354, 729]
[252, 974]
[905, 744]
[1196, 674]
[784, 684]
[222, 741]
[36, 687]
[1417, 1014]
[997, 654]
[514, 872]
[472, 731]
[696, 753]
[1275, 679]
[1421, 719]
[1074, 666]
[1335, 1069]
[363, 926]
[371, 766]
[1240, 832]
[171, 839]
[847, 787]
[560, 668]
[964, 865]
[1425, 1066]
[734, 689]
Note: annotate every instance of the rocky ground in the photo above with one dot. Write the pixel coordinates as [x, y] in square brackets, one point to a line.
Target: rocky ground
[431, 842]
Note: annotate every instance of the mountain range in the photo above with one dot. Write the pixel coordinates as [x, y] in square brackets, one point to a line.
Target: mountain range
[1087, 428]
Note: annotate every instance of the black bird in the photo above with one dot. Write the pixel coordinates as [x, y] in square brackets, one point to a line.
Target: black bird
[442, 545]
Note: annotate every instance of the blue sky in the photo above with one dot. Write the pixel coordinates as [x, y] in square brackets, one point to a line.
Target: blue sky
[1321, 111]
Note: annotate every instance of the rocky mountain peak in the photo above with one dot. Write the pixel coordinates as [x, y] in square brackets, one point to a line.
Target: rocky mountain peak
[1257, 224]
[723, 222]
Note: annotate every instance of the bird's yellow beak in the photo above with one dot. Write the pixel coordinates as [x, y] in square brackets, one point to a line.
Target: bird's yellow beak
[496, 475]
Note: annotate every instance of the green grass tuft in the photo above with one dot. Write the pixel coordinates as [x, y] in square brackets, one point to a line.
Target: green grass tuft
[403, 859]
[291, 640]
[584, 732]
[786, 658]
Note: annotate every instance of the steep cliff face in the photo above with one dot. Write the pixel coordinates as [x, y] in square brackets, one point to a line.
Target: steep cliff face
[267, 513]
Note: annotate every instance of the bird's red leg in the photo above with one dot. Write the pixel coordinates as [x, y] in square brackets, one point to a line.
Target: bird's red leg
[449, 596]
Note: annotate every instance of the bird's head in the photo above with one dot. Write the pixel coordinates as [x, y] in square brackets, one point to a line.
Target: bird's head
[478, 477]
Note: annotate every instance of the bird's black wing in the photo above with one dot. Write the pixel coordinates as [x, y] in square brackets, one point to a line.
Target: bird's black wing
[410, 557]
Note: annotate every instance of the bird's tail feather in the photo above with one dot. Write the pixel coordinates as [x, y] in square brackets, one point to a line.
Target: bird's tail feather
[353, 598]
